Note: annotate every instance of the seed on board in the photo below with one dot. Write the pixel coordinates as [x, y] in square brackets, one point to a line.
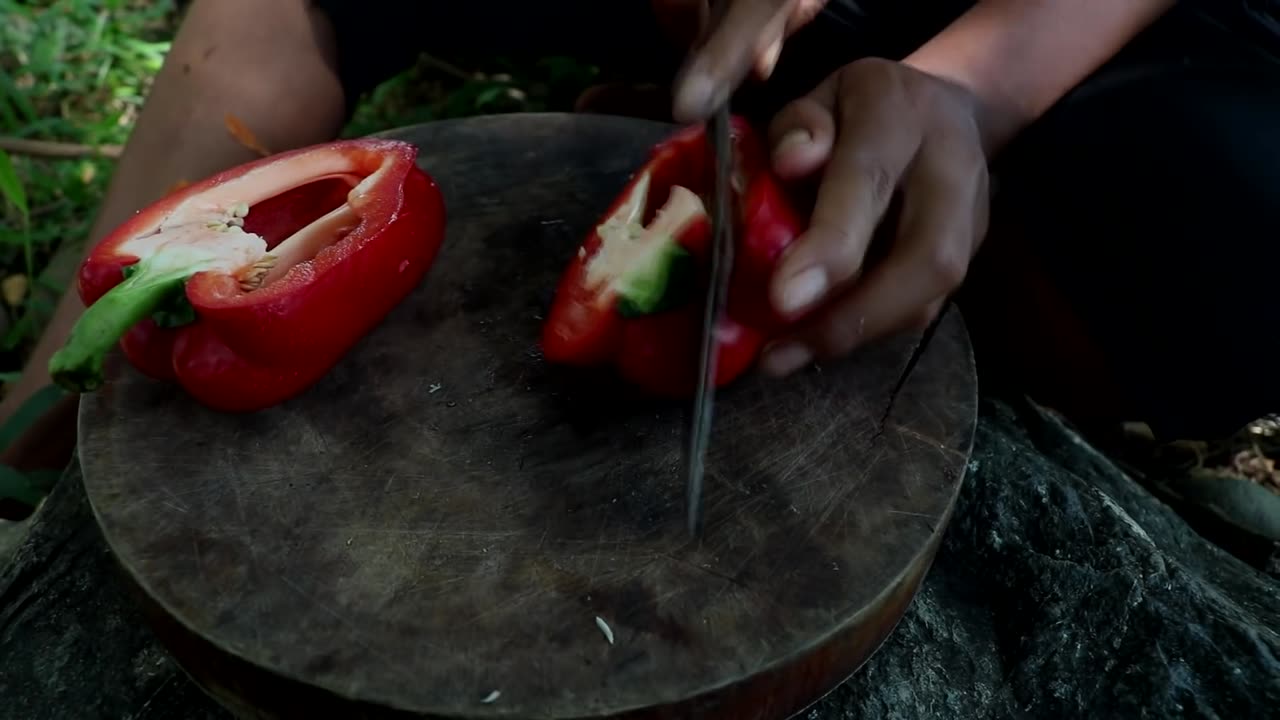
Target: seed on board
[604, 628]
[491, 697]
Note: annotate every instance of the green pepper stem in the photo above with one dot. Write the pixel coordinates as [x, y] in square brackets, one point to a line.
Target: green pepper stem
[77, 366]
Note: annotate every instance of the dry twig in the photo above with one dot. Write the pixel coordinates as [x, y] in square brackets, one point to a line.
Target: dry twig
[55, 149]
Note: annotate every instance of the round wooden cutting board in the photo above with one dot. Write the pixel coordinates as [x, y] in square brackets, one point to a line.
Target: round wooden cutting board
[446, 527]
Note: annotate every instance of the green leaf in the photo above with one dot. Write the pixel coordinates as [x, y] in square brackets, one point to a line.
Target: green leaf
[489, 94]
[40, 402]
[11, 186]
[17, 332]
[20, 101]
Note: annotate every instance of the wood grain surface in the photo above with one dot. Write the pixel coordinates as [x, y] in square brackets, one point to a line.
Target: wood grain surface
[443, 518]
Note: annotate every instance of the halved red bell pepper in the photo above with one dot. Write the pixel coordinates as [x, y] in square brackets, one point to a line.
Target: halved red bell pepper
[638, 281]
[246, 288]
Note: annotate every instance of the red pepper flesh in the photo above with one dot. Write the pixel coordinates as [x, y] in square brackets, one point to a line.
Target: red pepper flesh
[282, 264]
[584, 326]
[659, 353]
[771, 223]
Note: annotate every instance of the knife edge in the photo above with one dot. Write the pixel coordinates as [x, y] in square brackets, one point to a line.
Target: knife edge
[717, 294]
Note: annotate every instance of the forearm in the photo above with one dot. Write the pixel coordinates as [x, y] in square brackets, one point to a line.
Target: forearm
[269, 64]
[1019, 57]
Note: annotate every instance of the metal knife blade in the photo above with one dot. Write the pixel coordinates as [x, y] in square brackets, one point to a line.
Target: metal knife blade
[721, 264]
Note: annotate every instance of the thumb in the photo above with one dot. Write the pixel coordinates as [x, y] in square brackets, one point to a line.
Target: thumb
[803, 132]
[740, 35]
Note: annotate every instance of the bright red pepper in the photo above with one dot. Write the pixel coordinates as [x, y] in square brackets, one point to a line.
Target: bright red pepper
[637, 282]
[658, 353]
[248, 287]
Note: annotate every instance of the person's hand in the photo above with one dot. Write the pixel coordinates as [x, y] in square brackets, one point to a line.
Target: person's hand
[876, 129]
[741, 38]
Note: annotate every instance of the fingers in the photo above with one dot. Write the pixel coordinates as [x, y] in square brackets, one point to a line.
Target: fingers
[803, 133]
[943, 204]
[874, 149]
[803, 12]
[744, 35]
[798, 14]
[768, 59]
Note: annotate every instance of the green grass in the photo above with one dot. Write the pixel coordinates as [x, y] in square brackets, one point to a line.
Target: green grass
[73, 71]
[434, 89]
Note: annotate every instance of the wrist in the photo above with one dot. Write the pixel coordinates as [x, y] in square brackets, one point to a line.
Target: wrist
[999, 117]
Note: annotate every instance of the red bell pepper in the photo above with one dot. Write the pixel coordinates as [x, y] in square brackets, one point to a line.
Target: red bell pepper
[658, 353]
[637, 282]
[247, 287]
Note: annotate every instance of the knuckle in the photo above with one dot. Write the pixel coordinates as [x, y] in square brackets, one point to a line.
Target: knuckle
[980, 208]
[970, 156]
[878, 181]
[868, 66]
[961, 149]
[948, 265]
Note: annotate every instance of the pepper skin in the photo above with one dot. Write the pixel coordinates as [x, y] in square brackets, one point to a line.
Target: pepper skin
[627, 254]
[659, 353]
[248, 287]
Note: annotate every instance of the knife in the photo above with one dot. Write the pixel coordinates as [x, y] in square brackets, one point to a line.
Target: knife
[717, 291]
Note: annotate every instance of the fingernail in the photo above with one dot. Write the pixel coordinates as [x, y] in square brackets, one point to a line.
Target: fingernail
[804, 289]
[786, 358]
[792, 140]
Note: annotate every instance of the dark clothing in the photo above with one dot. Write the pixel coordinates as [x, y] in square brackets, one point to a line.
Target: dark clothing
[377, 39]
[1150, 195]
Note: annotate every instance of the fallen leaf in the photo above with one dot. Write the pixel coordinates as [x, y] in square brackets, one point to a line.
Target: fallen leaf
[14, 289]
[244, 135]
